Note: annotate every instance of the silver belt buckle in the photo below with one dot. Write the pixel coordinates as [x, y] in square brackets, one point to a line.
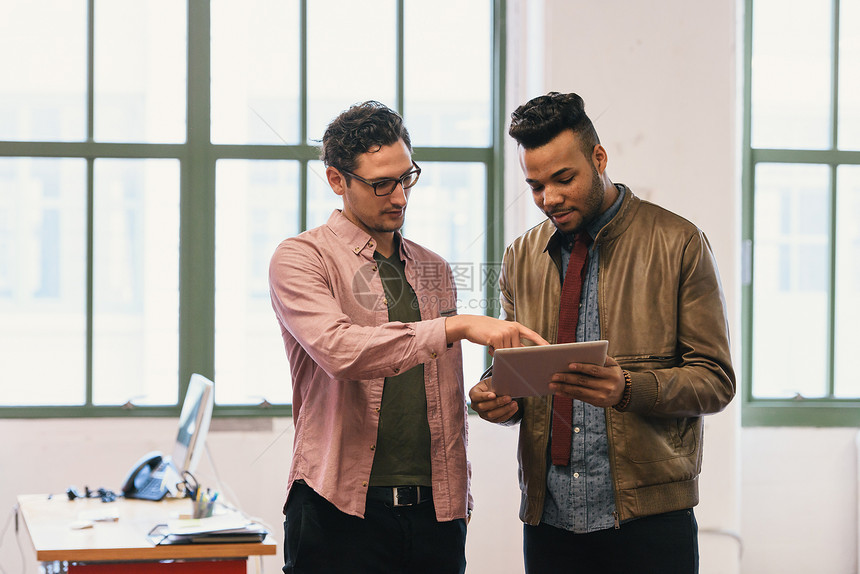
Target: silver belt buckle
[396, 496]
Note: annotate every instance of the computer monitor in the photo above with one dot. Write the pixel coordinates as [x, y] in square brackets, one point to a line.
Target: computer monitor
[193, 423]
[152, 476]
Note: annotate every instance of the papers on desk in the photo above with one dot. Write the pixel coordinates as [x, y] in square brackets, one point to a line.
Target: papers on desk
[88, 518]
[218, 529]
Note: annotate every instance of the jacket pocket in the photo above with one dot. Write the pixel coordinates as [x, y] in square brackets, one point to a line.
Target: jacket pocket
[650, 439]
[655, 439]
[648, 362]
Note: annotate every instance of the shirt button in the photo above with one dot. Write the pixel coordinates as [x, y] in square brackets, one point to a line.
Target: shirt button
[433, 355]
[385, 300]
[364, 483]
[376, 409]
[374, 268]
[373, 447]
[575, 475]
[575, 429]
[396, 370]
[357, 249]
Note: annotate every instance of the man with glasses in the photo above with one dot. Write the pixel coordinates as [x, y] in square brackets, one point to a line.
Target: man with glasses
[379, 480]
[609, 464]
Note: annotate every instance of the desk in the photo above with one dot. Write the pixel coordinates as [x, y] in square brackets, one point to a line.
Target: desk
[97, 550]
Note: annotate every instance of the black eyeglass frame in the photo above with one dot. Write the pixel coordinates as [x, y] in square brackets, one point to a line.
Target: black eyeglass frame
[375, 184]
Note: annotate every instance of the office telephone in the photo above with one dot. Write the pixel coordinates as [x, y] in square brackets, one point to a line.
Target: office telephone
[145, 479]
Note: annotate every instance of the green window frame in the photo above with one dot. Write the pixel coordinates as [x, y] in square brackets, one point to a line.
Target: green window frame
[830, 405]
[197, 158]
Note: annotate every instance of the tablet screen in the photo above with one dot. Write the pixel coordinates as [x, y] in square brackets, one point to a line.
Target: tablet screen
[526, 371]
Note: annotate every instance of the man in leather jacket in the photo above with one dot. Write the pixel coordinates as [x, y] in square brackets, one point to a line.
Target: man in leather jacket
[623, 500]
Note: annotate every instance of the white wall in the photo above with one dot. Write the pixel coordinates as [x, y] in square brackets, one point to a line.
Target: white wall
[660, 80]
[799, 493]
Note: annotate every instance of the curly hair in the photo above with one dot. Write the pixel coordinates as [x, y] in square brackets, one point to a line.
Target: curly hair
[541, 119]
[363, 128]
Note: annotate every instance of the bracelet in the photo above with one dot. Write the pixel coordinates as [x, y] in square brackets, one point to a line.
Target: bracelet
[628, 391]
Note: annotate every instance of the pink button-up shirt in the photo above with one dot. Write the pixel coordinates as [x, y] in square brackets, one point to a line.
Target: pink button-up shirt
[329, 301]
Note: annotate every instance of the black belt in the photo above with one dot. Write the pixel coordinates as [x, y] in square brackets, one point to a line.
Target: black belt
[400, 495]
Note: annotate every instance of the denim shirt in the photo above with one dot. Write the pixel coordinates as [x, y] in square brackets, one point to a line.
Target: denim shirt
[579, 496]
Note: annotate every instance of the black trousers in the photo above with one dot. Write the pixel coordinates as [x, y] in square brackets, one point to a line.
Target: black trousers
[319, 538]
[659, 544]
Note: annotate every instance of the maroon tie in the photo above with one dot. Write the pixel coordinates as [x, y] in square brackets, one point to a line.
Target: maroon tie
[568, 315]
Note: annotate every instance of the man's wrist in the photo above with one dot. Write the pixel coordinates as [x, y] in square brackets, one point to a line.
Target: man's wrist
[451, 326]
[625, 396]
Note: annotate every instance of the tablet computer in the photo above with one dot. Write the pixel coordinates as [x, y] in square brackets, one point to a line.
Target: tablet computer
[526, 371]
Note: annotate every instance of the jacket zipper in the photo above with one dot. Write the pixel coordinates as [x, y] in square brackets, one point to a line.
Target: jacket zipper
[612, 467]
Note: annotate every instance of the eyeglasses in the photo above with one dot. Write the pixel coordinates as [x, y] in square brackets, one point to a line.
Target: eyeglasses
[386, 186]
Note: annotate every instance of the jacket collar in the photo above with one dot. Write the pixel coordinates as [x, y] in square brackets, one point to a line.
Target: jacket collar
[614, 228]
[618, 224]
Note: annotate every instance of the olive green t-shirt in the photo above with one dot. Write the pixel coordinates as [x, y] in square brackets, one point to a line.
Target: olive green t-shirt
[402, 454]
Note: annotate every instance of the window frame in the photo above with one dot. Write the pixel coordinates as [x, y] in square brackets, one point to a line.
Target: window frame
[197, 157]
[817, 412]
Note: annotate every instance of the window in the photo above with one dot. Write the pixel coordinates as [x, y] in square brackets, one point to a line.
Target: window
[151, 167]
[802, 200]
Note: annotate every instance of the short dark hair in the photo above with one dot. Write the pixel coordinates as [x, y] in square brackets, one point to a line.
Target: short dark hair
[541, 119]
[363, 128]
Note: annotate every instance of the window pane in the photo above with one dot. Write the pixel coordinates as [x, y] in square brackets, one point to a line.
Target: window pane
[255, 71]
[43, 267]
[461, 53]
[791, 74]
[847, 341]
[256, 208]
[43, 90]
[790, 281]
[321, 199]
[140, 54]
[849, 74]
[136, 281]
[446, 212]
[351, 57]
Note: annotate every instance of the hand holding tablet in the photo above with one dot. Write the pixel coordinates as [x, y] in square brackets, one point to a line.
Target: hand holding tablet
[527, 371]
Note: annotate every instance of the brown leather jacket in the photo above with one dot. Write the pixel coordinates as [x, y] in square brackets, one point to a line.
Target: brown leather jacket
[663, 313]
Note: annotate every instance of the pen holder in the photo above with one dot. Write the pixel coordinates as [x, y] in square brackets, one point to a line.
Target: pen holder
[204, 503]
